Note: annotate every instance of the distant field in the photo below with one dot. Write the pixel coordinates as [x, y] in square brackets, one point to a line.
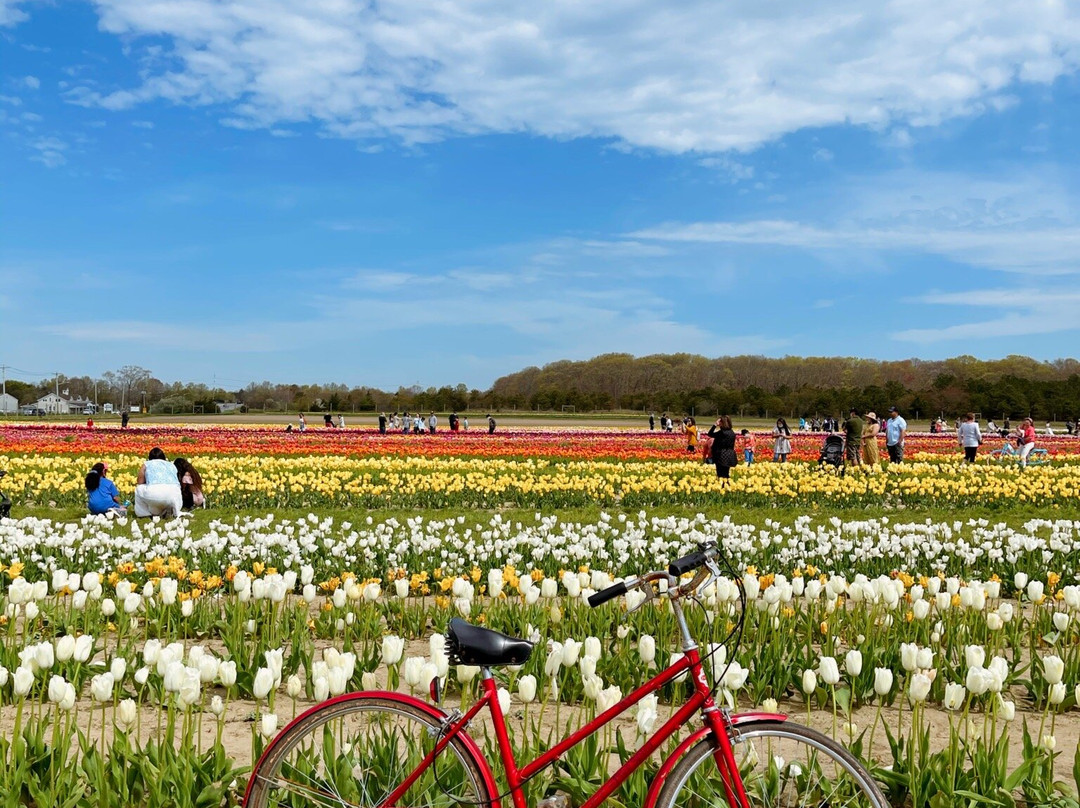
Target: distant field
[518, 418]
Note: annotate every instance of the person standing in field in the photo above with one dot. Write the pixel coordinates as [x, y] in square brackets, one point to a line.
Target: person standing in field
[723, 447]
[853, 432]
[969, 437]
[652, 421]
[781, 441]
[691, 435]
[895, 430]
[748, 446]
[491, 425]
[303, 422]
[432, 422]
[870, 454]
[341, 421]
[465, 423]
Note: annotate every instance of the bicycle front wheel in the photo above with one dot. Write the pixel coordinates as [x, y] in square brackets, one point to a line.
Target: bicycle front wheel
[355, 753]
[782, 765]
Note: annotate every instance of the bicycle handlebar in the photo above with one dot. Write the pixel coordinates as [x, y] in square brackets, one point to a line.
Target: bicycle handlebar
[604, 595]
[681, 566]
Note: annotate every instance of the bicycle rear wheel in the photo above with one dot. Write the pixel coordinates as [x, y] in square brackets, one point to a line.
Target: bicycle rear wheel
[782, 765]
[355, 753]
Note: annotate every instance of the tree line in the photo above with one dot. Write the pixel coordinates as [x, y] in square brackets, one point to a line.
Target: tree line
[678, 383]
[799, 386]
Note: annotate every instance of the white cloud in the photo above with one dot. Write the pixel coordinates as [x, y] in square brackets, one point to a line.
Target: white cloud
[1024, 224]
[155, 334]
[10, 13]
[697, 75]
[49, 151]
[1024, 312]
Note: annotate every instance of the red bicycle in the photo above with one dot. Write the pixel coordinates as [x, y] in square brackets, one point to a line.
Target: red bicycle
[385, 749]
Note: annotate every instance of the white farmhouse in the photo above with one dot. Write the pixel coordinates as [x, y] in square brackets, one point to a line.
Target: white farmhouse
[54, 404]
[9, 405]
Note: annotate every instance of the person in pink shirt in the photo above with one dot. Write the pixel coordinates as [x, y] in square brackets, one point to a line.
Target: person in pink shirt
[1027, 440]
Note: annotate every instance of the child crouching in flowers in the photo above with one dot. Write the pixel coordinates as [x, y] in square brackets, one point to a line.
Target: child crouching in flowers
[102, 495]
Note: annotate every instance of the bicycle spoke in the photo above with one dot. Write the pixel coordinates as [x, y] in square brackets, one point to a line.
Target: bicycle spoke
[359, 755]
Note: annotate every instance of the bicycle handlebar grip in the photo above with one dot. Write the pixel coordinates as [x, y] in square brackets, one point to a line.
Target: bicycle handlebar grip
[604, 595]
[681, 566]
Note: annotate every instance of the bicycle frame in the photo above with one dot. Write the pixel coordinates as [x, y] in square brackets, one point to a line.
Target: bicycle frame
[716, 722]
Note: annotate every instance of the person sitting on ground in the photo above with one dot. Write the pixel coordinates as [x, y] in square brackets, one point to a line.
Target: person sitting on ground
[191, 484]
[102, 495]
[157, 492]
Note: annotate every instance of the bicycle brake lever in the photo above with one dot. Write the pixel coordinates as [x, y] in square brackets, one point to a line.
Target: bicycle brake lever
[650, 594]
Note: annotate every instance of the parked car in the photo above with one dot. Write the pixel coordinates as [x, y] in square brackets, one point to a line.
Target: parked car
[89, 409]
[31, 410]
[108, 408]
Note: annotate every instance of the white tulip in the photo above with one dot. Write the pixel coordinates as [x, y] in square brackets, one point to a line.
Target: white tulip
[925, 659]
[126, 713]
[593, 647]
[268, 725]
[1061, 621]
[84, 647]
[217, 706]
[919, 688]
[263, 684]
[392, 649]
[974, 656]
[101, 687]
[853, 662]
[883, 681]
[1057, 693]
[294, 687]
[57, 689]
[227, 673]
[527, 688]
[608, 698]
[647, 649]
[1053, 669]
[65, 648]
[809, 682]
[954, 696]
[829, 671]
[22, 681]
[909, 655]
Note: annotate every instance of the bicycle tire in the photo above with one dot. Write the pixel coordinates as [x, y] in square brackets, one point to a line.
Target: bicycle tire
[373, 743]
[771, 779]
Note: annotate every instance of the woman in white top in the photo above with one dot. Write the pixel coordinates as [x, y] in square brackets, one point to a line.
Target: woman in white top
[157, 492]
[969, 437]
[781, 441]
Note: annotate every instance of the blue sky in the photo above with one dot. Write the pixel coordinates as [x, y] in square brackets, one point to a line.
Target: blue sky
[441, 192]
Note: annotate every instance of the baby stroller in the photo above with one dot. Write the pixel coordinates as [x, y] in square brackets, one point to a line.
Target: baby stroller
[832, 454]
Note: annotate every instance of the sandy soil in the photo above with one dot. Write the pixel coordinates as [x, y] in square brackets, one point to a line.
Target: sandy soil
[238, 725]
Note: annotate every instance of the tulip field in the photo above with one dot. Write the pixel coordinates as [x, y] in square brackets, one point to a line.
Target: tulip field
[933, 627]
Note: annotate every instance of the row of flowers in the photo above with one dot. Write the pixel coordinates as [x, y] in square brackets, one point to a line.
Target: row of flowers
[256, 481]
[105, 641]
[437, 550]
[573, 444]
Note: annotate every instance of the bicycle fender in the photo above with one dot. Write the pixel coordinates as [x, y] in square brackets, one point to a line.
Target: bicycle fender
[739, 720]
[401, 698]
